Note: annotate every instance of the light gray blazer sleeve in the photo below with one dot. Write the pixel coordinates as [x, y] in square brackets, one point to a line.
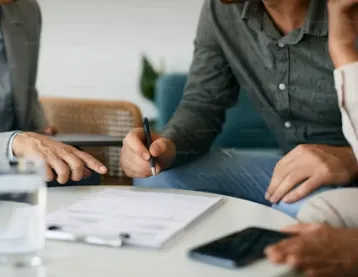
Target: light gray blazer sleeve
[4, 143]
[37, 113]
[21, 25]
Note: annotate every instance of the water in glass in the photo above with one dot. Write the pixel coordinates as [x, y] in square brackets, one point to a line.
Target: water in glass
[22, 215]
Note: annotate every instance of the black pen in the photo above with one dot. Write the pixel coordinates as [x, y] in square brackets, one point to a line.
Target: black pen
[148, 141]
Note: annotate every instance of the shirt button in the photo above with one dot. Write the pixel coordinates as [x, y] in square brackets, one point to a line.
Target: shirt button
[282, 86]
[288, 124]
[281, 45]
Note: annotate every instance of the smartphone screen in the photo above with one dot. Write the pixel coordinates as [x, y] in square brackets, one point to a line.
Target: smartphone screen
[238, 249]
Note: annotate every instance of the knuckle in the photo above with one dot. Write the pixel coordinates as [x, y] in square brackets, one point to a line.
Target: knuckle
[122, 153]
[126, 172]
[304, 149]
[77, 165]
[63, 171]
[85, 156]
[318, 158]
[48, 151]
[159, 144]
[296, 260]
[290, 181]
[134, 133]
[298, 194]
[278, 166]
[49, 177]
[130, 136]
[125, 141]
[320, 229]
[301, 148]
[63, 151]
[325, 169]
[295, 197]
[127, 169]
[70, 149]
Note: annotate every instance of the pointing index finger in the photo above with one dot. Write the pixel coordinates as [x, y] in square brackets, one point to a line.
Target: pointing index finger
[91, 162]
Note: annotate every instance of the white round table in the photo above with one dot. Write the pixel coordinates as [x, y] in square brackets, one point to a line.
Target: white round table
[65, 259]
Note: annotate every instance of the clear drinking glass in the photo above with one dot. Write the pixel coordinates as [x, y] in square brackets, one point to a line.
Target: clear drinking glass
[22, 213]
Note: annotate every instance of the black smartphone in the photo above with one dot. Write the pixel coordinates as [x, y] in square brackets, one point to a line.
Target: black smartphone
[238, 249]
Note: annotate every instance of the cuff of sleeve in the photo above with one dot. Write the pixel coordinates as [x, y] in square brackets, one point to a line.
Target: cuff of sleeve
[338, 76]
[348, 66]
[11, 155]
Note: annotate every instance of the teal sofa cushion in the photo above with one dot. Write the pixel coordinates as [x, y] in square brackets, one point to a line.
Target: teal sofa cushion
[243, 128]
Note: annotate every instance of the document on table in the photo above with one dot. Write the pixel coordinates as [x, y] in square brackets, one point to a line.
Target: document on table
[151, 218]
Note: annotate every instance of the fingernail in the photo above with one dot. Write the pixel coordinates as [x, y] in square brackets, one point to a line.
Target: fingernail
[103, 169]
[267, 196]
[276, 257]
[273, 199]
[146, 156]
[155, 147]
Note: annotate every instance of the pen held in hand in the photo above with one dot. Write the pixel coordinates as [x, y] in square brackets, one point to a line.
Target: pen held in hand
[148, 141]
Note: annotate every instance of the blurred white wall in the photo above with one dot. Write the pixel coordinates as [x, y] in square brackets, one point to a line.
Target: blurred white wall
[91, 48]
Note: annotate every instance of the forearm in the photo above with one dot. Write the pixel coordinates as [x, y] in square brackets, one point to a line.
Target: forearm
[343, 54]
[193, 129]
[342, 26]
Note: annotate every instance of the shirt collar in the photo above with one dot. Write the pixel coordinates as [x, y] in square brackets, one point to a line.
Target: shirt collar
[316, 22]
[249, 10]
[252, 12]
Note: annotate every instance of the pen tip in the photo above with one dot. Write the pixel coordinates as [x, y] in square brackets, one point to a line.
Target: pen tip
[153, 171]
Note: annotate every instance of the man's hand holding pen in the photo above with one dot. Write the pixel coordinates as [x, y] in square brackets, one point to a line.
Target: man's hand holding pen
[136, 155]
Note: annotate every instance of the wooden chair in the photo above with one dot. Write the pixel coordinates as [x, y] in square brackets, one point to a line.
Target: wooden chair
[84, 116]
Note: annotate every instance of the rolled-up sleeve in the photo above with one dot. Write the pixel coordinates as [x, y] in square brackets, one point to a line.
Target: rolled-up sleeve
[211, 89]
[346, 80]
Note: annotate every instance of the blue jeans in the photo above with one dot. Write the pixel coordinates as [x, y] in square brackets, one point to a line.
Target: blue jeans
[229, 172]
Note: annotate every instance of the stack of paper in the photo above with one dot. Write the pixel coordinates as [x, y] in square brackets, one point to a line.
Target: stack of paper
[150, 218]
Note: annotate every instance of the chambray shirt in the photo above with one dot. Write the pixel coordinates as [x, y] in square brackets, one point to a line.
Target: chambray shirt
[7, 117]
[289, 78]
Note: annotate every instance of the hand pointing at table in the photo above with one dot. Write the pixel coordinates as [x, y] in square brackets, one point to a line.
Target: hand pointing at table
[65, 161]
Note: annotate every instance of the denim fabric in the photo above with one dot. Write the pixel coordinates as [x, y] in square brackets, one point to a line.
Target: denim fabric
[231, 172]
